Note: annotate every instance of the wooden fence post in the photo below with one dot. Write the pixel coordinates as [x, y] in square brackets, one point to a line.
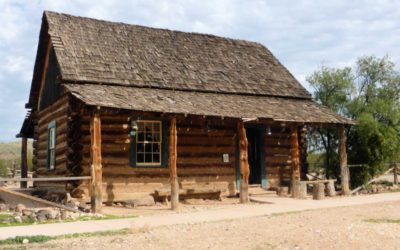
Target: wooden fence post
[172, 165]
[295, 157]
[395, 179]
[344, 170]
[244, 163]
[24, 161]
[95, 135]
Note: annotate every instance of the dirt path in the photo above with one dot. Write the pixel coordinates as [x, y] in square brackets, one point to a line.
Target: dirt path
[329, 228]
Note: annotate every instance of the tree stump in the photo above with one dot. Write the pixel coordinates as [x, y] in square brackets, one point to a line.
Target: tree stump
[330, 189]
[282, 191]
[318, 191]
[299, 189]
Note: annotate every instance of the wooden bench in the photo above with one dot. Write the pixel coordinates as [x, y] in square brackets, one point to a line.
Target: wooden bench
[300, 188]
[164, 194]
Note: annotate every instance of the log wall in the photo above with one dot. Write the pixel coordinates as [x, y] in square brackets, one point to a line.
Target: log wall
[199, 163]
[58, 112]
[278, 156]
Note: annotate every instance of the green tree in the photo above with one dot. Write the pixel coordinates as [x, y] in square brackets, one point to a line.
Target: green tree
[332, 88]
[370, 95]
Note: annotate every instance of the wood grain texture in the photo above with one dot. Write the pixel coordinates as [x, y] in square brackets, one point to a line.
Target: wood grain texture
[344, 170]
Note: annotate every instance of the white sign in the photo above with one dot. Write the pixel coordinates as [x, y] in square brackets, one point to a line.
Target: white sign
[226, 158]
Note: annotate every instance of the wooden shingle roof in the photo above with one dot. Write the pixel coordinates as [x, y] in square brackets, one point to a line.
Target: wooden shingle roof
[91, 50]
[126, 66]
[206, 104]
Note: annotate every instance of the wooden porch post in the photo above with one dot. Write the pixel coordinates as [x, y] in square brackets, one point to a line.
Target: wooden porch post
[344, 170]
[24, 161]
[172, 165]
[244, 164]
[295, 157]
[96, 168]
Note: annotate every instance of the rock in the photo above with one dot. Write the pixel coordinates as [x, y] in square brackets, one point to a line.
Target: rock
[19, 208]
[363, 191]
[143, 201]
[3, 184]
[25, 241]
[3, 207]
[65, 215]
[27, 212]
[48, 213]
[18, 219]
[71, 204]
[82, 205]
[41, 218]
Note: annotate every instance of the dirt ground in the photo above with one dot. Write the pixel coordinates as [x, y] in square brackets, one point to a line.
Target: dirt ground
[334, 228]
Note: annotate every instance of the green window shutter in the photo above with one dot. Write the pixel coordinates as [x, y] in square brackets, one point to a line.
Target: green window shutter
[49, 158]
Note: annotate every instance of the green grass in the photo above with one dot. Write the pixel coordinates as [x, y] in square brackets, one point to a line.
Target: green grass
[382, 221]
[28, 222]
[42, 238]
[286, 213]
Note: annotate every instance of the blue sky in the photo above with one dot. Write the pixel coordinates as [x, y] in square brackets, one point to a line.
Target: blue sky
[301, 34]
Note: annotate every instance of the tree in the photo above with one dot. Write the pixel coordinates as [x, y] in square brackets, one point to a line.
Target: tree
[332, 88]
[370, 95]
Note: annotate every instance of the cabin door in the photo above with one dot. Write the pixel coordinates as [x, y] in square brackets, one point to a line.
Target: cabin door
[255, 137]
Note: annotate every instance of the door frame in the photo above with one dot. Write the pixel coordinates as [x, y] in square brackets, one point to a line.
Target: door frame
[261, 141]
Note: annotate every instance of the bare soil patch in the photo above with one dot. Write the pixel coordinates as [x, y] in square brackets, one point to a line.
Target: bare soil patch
[333, 228]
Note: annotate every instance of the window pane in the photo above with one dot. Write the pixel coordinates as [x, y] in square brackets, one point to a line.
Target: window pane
[156, 126]
[140, 158]
[140, 148]
[156, 147]
[147, 126]
[140, 126]
[148, 158]
[157, 137]
[156, 158]
[149, 137]
[52, 160]
[140, 137]
[147, 147]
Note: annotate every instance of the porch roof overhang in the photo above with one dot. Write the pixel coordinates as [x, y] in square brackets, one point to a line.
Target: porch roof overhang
[206, 104]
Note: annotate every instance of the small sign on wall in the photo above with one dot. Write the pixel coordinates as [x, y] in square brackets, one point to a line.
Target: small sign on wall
[225, 158]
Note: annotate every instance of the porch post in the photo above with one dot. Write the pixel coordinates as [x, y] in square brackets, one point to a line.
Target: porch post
[172, 165]
[344, 170]
[295, 157]
[24, 161]
[96, 168]
[243, 163]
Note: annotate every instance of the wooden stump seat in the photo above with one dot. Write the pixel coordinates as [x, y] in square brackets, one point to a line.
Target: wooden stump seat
[319, 187]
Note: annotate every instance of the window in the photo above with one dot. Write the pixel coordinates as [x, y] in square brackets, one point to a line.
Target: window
[148, 143]
[51, 146]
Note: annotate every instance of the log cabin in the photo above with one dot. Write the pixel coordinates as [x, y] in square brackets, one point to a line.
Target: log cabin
[141, 109]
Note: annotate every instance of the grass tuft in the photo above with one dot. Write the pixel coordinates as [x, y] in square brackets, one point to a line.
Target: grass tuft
[286, 213]
[382, 221]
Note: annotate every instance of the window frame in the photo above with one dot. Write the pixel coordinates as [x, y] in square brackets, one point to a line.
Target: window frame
[51, 151]
[164, 143]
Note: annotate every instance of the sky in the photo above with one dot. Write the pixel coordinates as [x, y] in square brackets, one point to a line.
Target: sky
[303, 35]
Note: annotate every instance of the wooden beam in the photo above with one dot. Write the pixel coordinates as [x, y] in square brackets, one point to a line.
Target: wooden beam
[24, 161]
[71, 178]
[42, 80]
[344, 170]
[244, 163]
[96, 168]
[49, 203]
[172, 165]
[295, 155]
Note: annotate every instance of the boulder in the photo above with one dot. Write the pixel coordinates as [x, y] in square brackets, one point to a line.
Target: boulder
[65, 215]
[19, 208]
[18, 219]
[3, 207]
[143, 201]
[41, 218]
[27, 212]
[48, 213]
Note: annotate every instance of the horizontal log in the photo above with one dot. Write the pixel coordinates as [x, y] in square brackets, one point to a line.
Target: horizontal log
[72, 178]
